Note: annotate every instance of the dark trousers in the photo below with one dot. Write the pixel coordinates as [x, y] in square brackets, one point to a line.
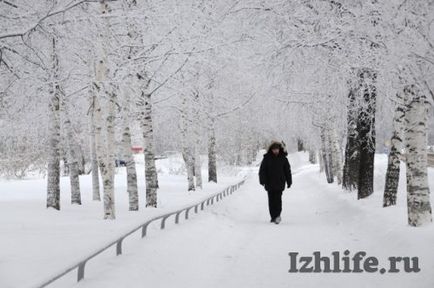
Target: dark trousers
[274, 203]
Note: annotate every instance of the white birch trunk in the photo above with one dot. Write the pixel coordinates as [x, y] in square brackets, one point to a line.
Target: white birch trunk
[312, 156]
[327, 155]
[418, 194]
[150, 167]
[53, 173]
[187, 154]
[212, 157]
[189, 165]
[129, 158]
[134, 37]
[321, 161]
[198, 167]
[393, 163]
[73, 155]
[337, 156]
[109, 195]
[197, 142]
[104, 134]
[93, 154]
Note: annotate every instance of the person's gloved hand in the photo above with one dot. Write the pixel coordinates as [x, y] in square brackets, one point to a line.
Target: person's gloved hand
[289, 186]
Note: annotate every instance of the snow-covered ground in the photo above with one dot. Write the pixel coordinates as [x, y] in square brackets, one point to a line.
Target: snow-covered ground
[36, 243]
[230, 244]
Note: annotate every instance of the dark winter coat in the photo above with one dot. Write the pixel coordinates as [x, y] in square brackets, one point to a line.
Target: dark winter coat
[275, 171]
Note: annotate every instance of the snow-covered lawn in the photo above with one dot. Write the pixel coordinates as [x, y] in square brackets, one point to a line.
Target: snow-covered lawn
[232, 244]
[35, 242]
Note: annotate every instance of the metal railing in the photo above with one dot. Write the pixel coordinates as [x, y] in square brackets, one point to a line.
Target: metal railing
[80, 266]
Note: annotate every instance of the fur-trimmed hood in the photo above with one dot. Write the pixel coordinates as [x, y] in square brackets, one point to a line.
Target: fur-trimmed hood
[282, 148]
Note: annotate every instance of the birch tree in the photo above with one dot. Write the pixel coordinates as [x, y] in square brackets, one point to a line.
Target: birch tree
[105, 109]
[187, 152]
[418, 194]
[393, 162]
[128, 156]
[93, 153]
[53, 174]
[72, 147]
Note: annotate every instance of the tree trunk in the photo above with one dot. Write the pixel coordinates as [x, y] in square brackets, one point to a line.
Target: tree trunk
[393, 163]
[212, 157]
[418, 198]
[312, 156]
[73, 157]
[327, 155]
[109, 179]
[189, 165]
[198, 167]
[366, 135]
[93, 154]
[134, 37]
[336, 155]
[321, 161]
[300, 145]
[150, 167]
[197, 142]
[53, 173]
[105, 149]
[82, 162]
[129, 158]
[352, 155]
[132, 189]
[187, 154]
[392, 175]
[105, 153]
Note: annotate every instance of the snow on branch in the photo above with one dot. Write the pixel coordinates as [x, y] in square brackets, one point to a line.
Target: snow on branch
[33, 26]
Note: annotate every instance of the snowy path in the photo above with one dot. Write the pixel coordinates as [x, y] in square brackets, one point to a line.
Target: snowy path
[232, 244]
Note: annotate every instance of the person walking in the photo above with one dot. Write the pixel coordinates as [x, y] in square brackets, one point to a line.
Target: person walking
[274, 173]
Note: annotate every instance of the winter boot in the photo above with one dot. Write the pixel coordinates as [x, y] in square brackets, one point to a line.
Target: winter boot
[277, 220]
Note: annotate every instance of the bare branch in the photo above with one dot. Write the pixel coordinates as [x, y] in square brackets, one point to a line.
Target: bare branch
[236, 108]
[170, 76]
[32, 27]
[9, 3]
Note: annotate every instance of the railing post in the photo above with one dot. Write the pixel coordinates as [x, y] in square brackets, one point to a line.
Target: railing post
[195, 208]
[201, 205]
[119, 247]
[163, 222]
[80, 274]
[186, 213]
[144, 228]
[177, 217]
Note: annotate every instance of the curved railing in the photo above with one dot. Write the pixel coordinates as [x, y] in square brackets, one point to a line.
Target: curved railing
[80, 266]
